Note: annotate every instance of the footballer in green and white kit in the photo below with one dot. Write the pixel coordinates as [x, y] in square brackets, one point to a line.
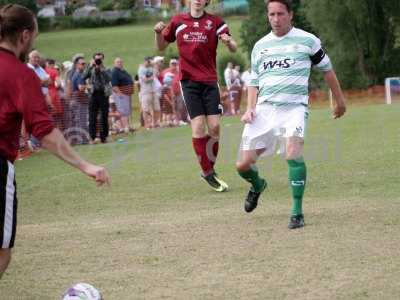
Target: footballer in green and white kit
[277, 108]
[280, 69]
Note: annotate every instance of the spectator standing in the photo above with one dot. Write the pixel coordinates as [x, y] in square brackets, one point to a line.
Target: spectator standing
[172, 69]
[57, 110]
[245, 81]
[228, 75]
[80, 101]
[99, 91]
[236, 90]
[34, 64]
[65, 92]
[148, 94]
[114, 118]
[166, 101]
[246, 78]
[180, 111]
[123, 88]
[158, 63]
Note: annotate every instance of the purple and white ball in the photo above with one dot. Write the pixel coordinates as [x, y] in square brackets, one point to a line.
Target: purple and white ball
[82, 291]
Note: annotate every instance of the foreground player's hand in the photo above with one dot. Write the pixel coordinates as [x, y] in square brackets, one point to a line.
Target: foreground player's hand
[248, 116]
[159, 27]
[339, 110]
[99, 174]
[225, 38]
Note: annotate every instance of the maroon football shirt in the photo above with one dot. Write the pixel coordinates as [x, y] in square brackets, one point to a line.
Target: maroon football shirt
[197, 41]
[21, 98]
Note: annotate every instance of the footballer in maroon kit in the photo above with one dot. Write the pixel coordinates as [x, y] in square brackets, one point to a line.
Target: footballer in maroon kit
[21, 98]
[197, 34]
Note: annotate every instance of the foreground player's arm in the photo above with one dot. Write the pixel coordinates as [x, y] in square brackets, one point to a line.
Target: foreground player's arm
[161, 43]
[38, 123]
[340, 103]
[228, 41]
[250, 113]
[55, 143]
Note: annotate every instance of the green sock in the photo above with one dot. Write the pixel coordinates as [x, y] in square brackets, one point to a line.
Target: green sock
[297, 180]
[251, 175]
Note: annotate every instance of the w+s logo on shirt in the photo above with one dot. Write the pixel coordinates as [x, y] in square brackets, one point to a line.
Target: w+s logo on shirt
[282, 64]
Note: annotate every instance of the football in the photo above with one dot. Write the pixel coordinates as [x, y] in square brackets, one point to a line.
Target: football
[82, 291]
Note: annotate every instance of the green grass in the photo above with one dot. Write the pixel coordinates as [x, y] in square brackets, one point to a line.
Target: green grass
[132, 43]
[160, 233]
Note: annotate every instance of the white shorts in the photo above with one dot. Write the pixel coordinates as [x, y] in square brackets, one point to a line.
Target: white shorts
[272, 126]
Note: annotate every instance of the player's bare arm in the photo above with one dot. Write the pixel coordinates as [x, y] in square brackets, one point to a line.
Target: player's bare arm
[250, 113]
[228, 41]
[340, 102]
[55, 143]
[161, 43]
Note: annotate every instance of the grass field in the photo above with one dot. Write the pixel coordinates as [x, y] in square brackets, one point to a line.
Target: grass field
[160, 233]
[132, 43]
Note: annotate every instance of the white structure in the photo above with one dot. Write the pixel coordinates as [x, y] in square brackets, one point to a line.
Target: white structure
[392, 86]
[48, 11]
[86, 11]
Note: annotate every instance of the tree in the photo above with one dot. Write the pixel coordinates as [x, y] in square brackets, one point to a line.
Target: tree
[360, 36]
[30, 4]
[255, 27]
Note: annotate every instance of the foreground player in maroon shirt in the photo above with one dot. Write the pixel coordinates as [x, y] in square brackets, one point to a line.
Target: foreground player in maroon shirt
[196, 34]
[21, 98]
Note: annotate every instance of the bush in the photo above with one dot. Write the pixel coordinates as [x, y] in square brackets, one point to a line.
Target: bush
[171, 52]
[238, 11]
[236, 59]
[68, 22]
[44, 24]
[105, 5]
[124, 4]
[71, 7]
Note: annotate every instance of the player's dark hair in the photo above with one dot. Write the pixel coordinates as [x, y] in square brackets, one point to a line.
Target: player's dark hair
[287, 3]
[14, 19]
